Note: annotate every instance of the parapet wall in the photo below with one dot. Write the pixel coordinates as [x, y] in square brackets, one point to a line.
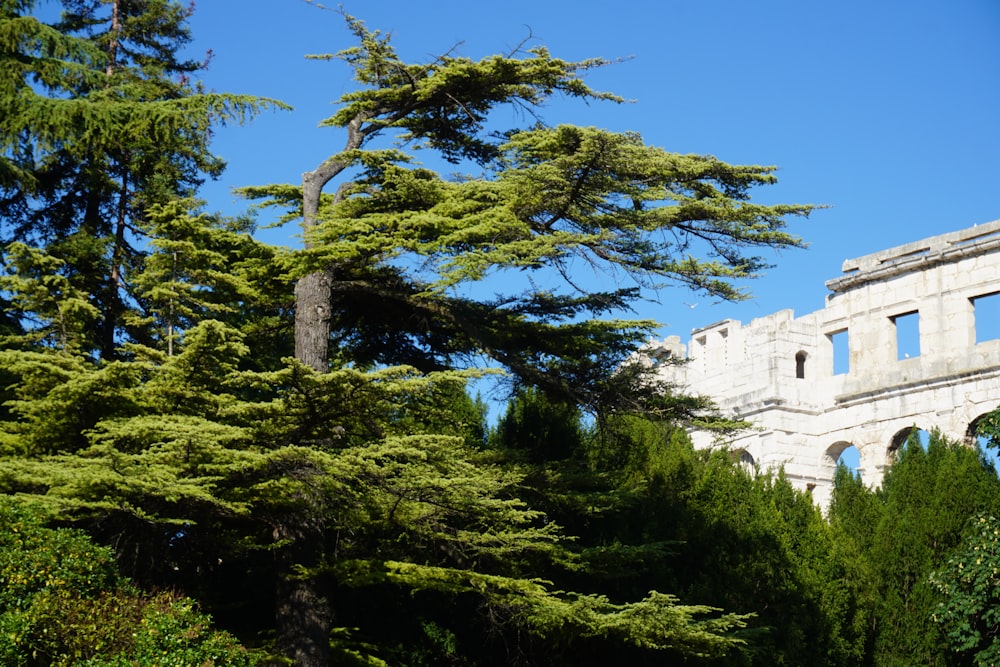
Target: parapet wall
[919, 326]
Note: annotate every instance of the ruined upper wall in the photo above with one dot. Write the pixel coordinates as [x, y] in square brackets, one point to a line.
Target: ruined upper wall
[917, 256]
[938, 281]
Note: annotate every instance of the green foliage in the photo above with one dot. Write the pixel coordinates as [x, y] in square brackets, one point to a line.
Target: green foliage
[651, 512]
[929, 497]
[446, 102]
[37, 286]
[403, 251]
[900, 534]
[989, 427]
[175, 445]
[202, 267]
[100, 121]
[969, 585]
[36, 560]
[536, 212]
[561, 193]
[152, 400]
[63, 603]
[750, 542]
[544, 429]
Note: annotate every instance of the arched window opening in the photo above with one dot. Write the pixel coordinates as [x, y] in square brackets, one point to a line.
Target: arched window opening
[972, 433]
[800, 365]
[974, 437]
[846, 454]
[746, 461]
[902, 436]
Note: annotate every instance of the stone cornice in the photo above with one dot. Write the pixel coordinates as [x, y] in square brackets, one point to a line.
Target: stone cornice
[917, 256]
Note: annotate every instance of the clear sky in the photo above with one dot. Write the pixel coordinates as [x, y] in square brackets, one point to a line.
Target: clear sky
[885, 111]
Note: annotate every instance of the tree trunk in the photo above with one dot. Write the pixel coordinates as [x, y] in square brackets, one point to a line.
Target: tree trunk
[303, 615]
[116, 28]
[313, 292]
[312, 320]
[114, 309]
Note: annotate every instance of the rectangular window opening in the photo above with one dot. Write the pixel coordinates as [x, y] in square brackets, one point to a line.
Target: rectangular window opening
[907, 335]
[840, 343]
[986, 313]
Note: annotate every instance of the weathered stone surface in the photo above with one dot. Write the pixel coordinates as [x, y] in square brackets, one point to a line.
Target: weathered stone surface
[778, 371]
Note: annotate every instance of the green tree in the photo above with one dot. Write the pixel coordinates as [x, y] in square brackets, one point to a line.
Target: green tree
[402, 245]
[855, 513]
[929, 496]
[103, 122]
[543, 429]
[650, 511]
[199, 266]
[341, 480]
[394, 257]
[907, 530]
[749, 542]
[38, 66]
[969, 586]
[320, 486]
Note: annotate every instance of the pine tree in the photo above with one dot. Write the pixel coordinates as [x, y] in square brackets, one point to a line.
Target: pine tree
[102, 123]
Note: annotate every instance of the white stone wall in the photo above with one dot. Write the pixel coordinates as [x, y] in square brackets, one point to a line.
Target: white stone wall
[805, 423]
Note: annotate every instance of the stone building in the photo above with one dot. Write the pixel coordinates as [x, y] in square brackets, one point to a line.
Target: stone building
[909, 338]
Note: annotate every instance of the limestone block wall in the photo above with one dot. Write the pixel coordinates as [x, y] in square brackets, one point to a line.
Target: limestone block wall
[778, 371]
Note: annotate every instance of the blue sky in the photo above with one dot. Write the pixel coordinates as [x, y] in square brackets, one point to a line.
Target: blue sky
[884, 111]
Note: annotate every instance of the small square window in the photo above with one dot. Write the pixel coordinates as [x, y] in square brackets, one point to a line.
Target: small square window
[840, 343]
[986, 312]
[907, 335]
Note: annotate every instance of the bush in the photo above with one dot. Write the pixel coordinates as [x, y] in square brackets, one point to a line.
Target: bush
[62, 603]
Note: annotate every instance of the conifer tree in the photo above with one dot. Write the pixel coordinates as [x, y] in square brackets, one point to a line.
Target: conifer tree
[205, 459]
[393, 252]
[38, 66]
[544, 430]
[198, 266]
[339, 478]
[102, 123]
[904, 532]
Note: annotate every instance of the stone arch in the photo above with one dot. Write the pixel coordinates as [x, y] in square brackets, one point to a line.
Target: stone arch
[835, 451]
[973, 427]
[800, 364]
[745, 459]
[898, 439]
[992, 454]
